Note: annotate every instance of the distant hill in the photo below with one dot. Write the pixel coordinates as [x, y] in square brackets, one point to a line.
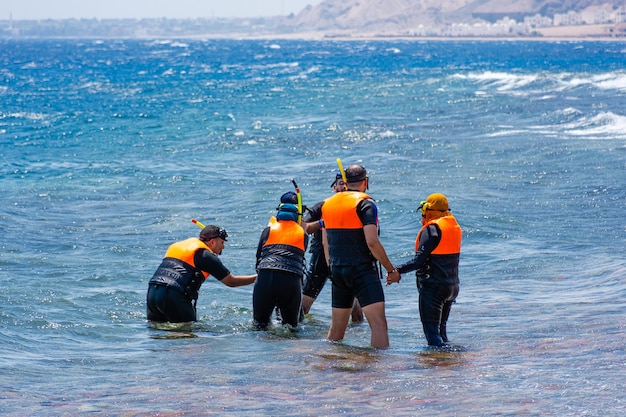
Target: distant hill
[399, 15]
[362, 19]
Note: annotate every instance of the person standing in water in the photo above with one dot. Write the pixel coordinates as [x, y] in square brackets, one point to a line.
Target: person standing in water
[317, 272]
[174, 287]
[280, 266]
[436, 262]
[352, 247]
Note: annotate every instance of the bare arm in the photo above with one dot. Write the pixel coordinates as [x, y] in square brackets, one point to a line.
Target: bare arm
[237, 281]
[377, 249]
[311, 227]
[375, 246]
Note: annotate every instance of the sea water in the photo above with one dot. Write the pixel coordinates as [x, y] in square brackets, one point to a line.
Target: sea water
[110, 147]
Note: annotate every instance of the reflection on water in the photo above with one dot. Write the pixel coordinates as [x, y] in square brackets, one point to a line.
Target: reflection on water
[345, 359]
[173, 335]
[174, 327]
[172, 330]
[452, 356]
[354, 359]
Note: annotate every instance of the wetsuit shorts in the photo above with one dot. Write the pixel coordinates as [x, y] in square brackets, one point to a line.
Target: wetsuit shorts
[316, 275]
[275, 288]
[169, 304]
[360, 281]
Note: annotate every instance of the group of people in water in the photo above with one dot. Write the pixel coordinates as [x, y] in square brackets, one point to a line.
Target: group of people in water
[345, 248]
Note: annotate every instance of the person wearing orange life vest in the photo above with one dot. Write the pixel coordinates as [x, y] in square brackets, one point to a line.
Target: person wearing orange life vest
[280, 268]
[352, 246]
[174, 287]
[436, 262]
[317, 271]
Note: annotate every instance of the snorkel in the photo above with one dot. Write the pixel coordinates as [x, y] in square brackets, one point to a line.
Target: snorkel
[299, 200]
[343, 173]
[200, 225]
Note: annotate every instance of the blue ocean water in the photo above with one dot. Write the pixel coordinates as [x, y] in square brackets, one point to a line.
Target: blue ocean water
[111, 147]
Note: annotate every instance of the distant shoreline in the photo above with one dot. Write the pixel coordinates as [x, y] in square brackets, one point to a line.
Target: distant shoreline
[558, 34]
[322, 36]
[309, 37]
[121, 29]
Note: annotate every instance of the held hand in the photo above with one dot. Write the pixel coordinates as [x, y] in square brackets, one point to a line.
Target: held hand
[393, 276]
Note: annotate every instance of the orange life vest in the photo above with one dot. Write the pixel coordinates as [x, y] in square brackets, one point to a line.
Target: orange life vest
[178, 269]
[339, 210]
[284, 248]
[344, 229]
[442, 264]
[451, 236]
[285, 233]
[186, 250]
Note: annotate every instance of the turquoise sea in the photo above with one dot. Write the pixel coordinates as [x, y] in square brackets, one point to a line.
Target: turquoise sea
[110, 147]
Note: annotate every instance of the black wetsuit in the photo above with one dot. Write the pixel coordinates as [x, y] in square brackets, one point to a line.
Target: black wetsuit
[174, 287]
[280, 266]
[317, 272]
[437, 276]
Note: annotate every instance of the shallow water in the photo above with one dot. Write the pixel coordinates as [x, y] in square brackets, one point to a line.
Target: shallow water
[110, 148]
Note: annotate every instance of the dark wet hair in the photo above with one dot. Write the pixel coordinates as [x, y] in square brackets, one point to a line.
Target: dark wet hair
[355, 173]
[211, 232]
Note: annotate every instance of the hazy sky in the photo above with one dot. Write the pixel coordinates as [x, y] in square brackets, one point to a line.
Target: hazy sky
[102, 9]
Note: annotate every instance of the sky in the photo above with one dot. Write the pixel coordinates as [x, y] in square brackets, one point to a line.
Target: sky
[107, 9]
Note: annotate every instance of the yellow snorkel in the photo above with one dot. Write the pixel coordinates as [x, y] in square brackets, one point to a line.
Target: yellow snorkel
[299, 200]
[343, 173]
[200, 225]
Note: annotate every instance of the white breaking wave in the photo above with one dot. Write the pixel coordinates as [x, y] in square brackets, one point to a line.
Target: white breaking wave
[506, 131]
[25, 115]
[603, 125]
[502, 81]
[569, 111]
[606, 81]
[611, 81]
[506, 82]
